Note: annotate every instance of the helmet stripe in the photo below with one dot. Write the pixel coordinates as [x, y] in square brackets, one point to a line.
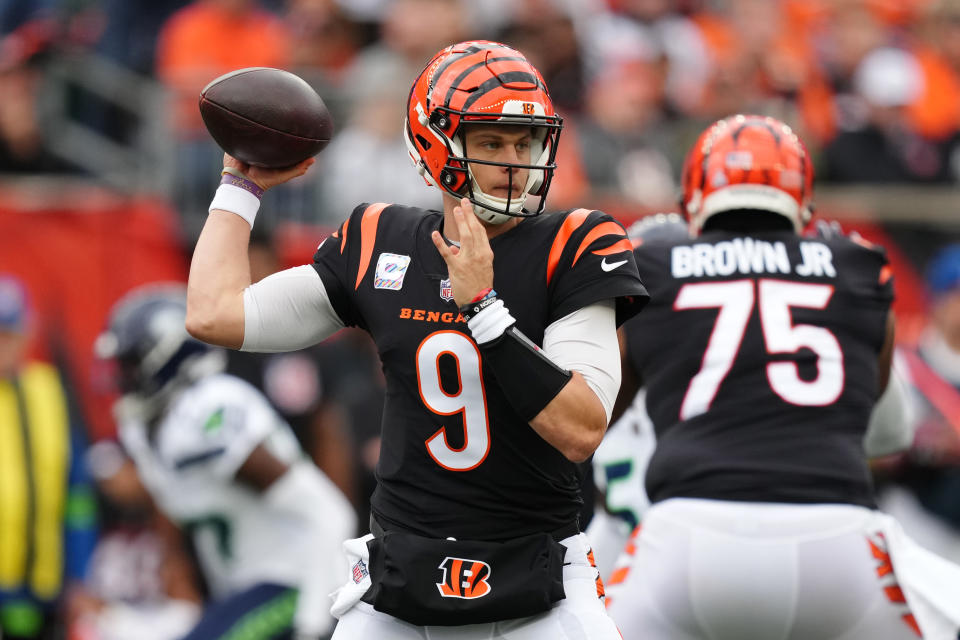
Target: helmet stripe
[500, 80]
[466, 72]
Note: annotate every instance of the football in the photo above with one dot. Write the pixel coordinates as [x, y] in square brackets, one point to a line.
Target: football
[265, 117]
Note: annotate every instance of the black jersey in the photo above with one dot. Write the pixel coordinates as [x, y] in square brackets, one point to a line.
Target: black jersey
[456, 459]
[759, 355]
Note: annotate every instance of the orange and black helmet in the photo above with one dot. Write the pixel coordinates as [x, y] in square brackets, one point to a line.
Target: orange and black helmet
[480, 82]
[748, 162]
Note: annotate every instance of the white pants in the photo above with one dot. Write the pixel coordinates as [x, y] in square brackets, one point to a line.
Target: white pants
[717, 570]
[579, 616]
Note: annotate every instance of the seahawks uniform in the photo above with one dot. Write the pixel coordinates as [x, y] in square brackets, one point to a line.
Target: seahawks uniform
[456, 459]
[759, 356]
[188, 461]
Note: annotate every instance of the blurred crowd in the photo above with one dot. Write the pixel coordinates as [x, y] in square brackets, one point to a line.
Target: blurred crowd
[872, 85]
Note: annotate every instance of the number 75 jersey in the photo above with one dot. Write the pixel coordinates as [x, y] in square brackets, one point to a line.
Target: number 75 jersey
[456, 459]
[759, 356]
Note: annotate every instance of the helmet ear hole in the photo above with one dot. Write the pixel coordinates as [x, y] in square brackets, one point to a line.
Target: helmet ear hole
[423, 142]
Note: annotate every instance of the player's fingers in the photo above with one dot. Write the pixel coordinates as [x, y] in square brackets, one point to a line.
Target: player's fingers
[460, 217]
[446, 251]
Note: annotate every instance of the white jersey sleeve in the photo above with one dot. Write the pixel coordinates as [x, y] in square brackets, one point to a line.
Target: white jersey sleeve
[214, 426]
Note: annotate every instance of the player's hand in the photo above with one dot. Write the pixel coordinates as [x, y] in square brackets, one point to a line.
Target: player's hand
[470, 266]
[266, 178]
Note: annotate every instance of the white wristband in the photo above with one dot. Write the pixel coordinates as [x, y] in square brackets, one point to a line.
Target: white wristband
[237, 201]
[490, 323]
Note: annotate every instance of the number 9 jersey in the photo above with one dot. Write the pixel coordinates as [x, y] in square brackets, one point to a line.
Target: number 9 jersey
[456, 459]
[759, 356]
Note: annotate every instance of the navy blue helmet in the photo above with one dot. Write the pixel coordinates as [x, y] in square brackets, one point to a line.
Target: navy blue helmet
[147, 339]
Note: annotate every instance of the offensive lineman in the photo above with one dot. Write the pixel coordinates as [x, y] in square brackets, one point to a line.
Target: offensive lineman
[762, 353]
[475, 513]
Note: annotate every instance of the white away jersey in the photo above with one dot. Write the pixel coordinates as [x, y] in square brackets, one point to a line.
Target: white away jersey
[188, 464]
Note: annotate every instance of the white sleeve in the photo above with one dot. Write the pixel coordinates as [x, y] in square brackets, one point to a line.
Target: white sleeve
[585, 341]
[891, 427]
[286, 311]
[307, 493]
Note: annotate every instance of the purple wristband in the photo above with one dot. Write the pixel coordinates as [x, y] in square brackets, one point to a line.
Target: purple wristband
[244, 183]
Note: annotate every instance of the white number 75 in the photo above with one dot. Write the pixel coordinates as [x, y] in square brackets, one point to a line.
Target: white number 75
[735, 301]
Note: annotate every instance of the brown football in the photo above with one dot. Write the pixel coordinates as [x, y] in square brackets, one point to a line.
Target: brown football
[265, 117]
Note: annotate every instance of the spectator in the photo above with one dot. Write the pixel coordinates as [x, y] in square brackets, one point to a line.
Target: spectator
[625, 134]
[22, 55]
[196, 44]
[370, 145]
[884, 147]
[47, 509]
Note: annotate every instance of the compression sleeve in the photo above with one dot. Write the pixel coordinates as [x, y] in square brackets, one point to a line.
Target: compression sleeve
[585, 341]
[286, 311]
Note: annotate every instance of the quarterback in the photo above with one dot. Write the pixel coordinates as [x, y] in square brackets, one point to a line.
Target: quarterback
[496, 327]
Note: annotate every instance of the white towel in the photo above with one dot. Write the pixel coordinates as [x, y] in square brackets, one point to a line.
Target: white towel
[358, 581]
[930, 583]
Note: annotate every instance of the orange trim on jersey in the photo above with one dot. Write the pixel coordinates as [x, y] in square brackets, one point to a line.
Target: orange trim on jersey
[368, 237]
[343, 241]
[884, 566]
[602, 229]
[912, 623]
[885, 274]
[571, 224]
[618, 247]
[895, 593]
[618, 576]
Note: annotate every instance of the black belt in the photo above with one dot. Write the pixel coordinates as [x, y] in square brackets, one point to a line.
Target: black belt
[562, 533]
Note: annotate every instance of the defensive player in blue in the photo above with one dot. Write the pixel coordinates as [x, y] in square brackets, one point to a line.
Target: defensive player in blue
[496, 327]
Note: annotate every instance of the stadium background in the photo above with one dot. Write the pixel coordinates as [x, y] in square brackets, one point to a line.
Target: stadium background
[106, 172]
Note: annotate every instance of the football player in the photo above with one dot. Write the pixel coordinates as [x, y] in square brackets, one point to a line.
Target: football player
[496, 327]
[762, 355]
[266, 524]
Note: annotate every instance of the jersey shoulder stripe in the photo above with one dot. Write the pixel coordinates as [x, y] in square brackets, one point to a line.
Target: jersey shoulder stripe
[592, 225]
[605, 229]
[368, 237]
[571, 223]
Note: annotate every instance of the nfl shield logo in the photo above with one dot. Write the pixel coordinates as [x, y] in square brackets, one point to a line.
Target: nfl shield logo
[359, 571]
[446, 291]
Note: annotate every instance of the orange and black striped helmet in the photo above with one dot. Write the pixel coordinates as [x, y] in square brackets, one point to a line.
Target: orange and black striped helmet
[748, 162]
[480, 82]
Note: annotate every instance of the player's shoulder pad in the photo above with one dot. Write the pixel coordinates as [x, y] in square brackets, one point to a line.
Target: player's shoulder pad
[585, 232]
[211, 412]
[658, 228]
[832, 233]
[370, 218]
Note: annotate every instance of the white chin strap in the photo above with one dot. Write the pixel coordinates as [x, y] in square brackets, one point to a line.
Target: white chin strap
[540, 155]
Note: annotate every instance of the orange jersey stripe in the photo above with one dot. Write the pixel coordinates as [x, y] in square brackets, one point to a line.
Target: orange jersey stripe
[618, 575]
[618, 247]
[368, 236]
[604, 229]
[571, 224]
[912, 623]
[343, 240]
[895, 593]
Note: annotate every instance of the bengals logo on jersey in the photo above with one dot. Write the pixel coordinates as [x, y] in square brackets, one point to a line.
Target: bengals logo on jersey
[464, 578]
